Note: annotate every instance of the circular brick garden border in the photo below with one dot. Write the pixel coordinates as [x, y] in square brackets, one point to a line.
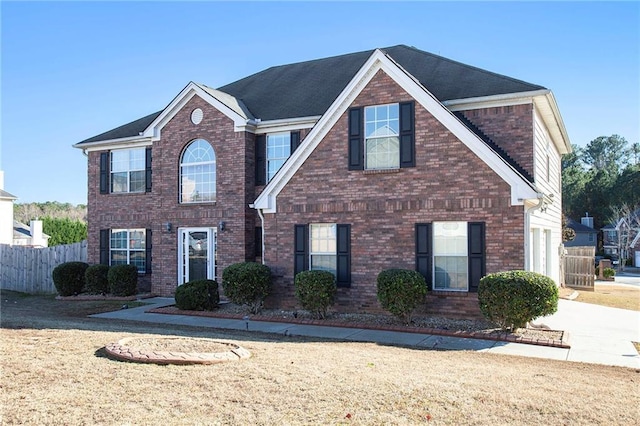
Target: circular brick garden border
[124, 351]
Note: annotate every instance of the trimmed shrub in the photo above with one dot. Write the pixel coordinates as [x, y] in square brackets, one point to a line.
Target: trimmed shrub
[198, 295]
[511, 299]
[69, 278]
[96, 279]
[316, 291]
[607, 273]
[400, 291]
[247, 283]
[123, 280]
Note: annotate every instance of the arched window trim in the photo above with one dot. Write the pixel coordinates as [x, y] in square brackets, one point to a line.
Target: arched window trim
[204, 189]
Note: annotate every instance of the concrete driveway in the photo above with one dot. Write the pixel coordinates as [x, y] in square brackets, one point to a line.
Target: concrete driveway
[598, 334]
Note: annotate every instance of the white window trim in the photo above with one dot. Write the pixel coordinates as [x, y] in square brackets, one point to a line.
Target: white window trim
[321, 253]
[183, 165]
[128, 171]
[128, 249]
[367, 139]
[433, 271]
[268, 159]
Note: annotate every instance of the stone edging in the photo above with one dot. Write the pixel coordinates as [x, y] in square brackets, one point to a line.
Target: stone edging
[120, 350]
[501, 337]
[90, 297]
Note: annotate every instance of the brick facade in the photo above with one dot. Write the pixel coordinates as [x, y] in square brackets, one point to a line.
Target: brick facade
[448, 183]
[235, 191]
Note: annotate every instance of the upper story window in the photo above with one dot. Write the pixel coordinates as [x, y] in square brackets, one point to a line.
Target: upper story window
[198, 173]
[125, 170]
[272, 150]
[382, 137]
[278, 150]
[128, 170]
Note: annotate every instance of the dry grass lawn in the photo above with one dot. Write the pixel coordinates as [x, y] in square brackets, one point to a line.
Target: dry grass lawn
[54, 372]
[614, 296]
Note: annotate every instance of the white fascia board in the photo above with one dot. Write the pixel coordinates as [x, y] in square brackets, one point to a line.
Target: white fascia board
[548, 108]
[286, 124]
[192, 89]
[520, 188]
[129, 142]
[506, 99]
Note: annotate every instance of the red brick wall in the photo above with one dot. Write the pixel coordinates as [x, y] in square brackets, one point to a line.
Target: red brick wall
[511, 127]
[235, 191]
[449, 182]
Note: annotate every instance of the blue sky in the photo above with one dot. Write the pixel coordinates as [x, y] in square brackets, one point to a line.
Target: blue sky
[72, 70]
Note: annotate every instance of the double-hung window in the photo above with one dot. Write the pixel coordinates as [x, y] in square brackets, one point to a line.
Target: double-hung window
[128, 246]
[278, 150]
[323, 245]
[128, 170]
[450, 271]
[451, 255]
[382, 137]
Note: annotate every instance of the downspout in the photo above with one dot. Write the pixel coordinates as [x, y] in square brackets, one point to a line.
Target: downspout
[261, 230]
[527, 230]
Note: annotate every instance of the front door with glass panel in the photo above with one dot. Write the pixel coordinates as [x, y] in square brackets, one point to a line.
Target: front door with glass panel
[196, 254]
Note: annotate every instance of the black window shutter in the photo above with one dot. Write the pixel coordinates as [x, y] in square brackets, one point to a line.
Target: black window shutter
[343, 278]
[147, 176]
[407, 135]
[356, 139]
[423, 251]
[301, 249]
[476, 253]
[261, 160]
[104, 246]
[148, 244]
[295, 141]
[104, 172]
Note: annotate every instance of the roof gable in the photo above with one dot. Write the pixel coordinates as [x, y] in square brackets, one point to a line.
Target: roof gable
[521, 189]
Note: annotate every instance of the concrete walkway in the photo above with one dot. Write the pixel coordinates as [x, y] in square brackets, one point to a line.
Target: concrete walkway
[597, 334]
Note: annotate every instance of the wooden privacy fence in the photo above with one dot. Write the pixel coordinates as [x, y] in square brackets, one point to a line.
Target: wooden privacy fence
[579, 267]
[29, 269]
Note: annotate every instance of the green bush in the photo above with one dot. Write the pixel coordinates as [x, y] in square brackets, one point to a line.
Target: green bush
[607, 273]
[316, 291]
[400, 291]
[96, 279]
[247, 283]
[69, 278]
[198, 295]
[511, 299]
[123, 280]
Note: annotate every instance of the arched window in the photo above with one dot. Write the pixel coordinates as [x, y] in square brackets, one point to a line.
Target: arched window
[198, 173]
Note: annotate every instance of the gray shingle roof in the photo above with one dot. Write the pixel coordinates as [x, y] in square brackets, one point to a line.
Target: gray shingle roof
[7, 196]
[578, 227]
[308, 88]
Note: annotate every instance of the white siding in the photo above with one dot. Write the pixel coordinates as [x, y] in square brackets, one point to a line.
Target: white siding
[546, 224]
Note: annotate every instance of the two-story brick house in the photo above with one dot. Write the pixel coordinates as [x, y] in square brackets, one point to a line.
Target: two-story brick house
[357, 163]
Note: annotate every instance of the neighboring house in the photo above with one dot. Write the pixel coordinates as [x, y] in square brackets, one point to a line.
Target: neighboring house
[585, 235]
[29, 235]
[389, 158]
[622, 238]
[6, 213]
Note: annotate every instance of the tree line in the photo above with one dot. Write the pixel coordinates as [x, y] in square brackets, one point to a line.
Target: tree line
[601, 179]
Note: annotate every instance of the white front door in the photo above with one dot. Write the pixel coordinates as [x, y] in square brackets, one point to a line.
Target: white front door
[196, 254]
